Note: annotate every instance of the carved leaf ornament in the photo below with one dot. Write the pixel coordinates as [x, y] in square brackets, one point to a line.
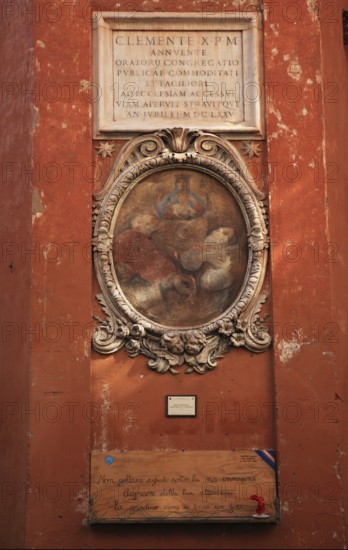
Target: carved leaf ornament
[144, 304]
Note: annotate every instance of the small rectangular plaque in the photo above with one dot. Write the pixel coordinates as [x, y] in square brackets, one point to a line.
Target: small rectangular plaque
[157, 486]
[177, 69]
[181, 405]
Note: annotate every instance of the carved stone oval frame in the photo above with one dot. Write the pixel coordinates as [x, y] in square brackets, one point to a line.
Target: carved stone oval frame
[166, 347]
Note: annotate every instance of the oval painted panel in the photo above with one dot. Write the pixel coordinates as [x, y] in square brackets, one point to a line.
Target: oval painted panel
[180, 248]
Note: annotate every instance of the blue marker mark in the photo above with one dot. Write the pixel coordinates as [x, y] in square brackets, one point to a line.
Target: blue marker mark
[109, 459]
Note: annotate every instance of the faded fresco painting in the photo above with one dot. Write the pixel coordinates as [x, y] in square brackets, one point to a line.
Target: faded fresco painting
[180, 248]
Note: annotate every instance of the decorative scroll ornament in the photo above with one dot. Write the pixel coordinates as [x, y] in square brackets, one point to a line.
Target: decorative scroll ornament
[167, 292]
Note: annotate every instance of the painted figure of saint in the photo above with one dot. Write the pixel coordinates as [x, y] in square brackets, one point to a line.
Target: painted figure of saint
[145, 272]
[182, 203]
[176, 257]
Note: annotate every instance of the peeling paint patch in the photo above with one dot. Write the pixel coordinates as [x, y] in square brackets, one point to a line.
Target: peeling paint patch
[280, 125]
[274, 29]
[41, 44]
[35, 118]
[105, 395]
[82, 501]
[312, 6]
[294, 69]
[35, 217]
[85, 84]
[329, 354]
[37, 207]
[287, 349]
[276, 113]
[285, 506]
[86, 347]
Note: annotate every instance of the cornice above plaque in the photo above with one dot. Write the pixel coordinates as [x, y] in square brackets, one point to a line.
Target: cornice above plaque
[180, 248]
[155, 71]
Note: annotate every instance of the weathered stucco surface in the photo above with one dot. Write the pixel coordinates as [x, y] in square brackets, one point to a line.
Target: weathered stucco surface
[292, 397]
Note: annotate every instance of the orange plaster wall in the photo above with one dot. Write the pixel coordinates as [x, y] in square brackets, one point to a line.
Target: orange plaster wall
[304, 354]
[335, 75]
[60, 360]
[17, 120]
[65, 377]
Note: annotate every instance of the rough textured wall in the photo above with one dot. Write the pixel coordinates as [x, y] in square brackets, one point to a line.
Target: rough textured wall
[335, 78]
[304, 351]
[303, 136]
[17, 122]
[61, 279]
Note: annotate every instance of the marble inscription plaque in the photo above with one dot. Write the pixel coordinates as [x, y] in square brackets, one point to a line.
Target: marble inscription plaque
[183, 486]
[193, 75]
[177, 70]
